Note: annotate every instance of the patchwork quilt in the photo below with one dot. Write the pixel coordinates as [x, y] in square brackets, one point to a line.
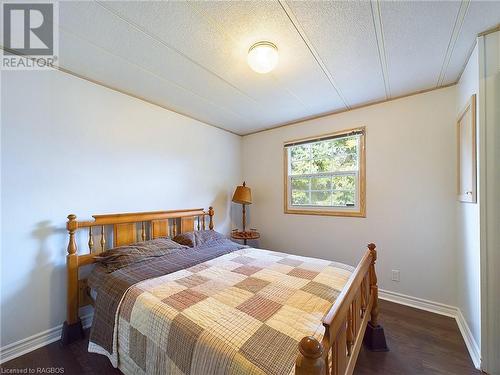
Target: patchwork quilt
[240, 313]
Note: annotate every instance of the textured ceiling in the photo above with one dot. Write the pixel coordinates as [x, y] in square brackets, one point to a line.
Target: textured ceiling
[191, 56]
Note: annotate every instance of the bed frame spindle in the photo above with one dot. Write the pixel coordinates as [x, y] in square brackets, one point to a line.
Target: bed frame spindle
[350, 333]
[103, 239]
[211, 218]
[363, 298]
[143, 231]
[91, 241]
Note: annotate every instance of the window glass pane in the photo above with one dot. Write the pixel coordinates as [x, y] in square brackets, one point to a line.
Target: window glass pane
[343, 198]
[349, 198]
[321, 198]
[344, 182]
[300, 152]
[345, 162]
[301, 167]
[321, 150]
[321, 183]
[300, 183]
[345, 145]
[300, 197]
[321, 165]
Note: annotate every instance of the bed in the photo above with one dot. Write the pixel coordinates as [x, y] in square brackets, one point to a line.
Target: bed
[216, 308]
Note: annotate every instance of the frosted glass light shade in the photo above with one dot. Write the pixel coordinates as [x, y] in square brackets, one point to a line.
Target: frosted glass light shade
[263, 57]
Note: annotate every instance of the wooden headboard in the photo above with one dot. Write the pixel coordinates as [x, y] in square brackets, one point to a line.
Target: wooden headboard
[126, 228]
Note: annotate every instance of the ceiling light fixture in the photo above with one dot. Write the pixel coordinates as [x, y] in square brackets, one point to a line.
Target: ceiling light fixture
[263, 57]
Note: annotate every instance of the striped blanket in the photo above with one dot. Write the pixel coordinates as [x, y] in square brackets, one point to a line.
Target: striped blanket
[240, 313]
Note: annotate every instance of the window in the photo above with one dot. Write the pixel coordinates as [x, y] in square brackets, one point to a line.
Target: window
[325, 175]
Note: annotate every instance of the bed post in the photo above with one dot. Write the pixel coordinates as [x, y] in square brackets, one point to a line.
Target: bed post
[374, 336]
[310, 360]
[72, 327]
[211, 220]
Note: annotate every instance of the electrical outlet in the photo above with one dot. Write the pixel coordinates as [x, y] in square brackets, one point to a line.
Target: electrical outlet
[395, 275]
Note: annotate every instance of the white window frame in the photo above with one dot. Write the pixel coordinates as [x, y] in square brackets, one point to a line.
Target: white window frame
[359, 208]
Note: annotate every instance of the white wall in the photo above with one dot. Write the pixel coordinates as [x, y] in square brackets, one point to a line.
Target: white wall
[468, 248]
[70, 146]
[411, 194]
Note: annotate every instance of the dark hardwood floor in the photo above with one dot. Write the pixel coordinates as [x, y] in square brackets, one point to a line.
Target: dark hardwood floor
[420, 343]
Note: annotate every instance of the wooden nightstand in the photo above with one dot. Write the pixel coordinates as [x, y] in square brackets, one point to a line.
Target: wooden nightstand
[245, 236]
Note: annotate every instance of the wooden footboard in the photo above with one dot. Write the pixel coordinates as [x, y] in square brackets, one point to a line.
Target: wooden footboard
[355, 309]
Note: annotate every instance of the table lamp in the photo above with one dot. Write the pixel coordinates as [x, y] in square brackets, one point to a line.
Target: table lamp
[243, 196]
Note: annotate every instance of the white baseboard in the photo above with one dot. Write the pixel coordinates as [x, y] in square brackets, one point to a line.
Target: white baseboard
[418, 303]
[470, 342]
[442, 309]
[18, 348]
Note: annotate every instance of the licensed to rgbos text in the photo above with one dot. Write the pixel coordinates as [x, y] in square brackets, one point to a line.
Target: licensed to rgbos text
[32, 370]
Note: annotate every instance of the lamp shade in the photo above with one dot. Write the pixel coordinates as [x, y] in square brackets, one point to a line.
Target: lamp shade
[242, 194]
